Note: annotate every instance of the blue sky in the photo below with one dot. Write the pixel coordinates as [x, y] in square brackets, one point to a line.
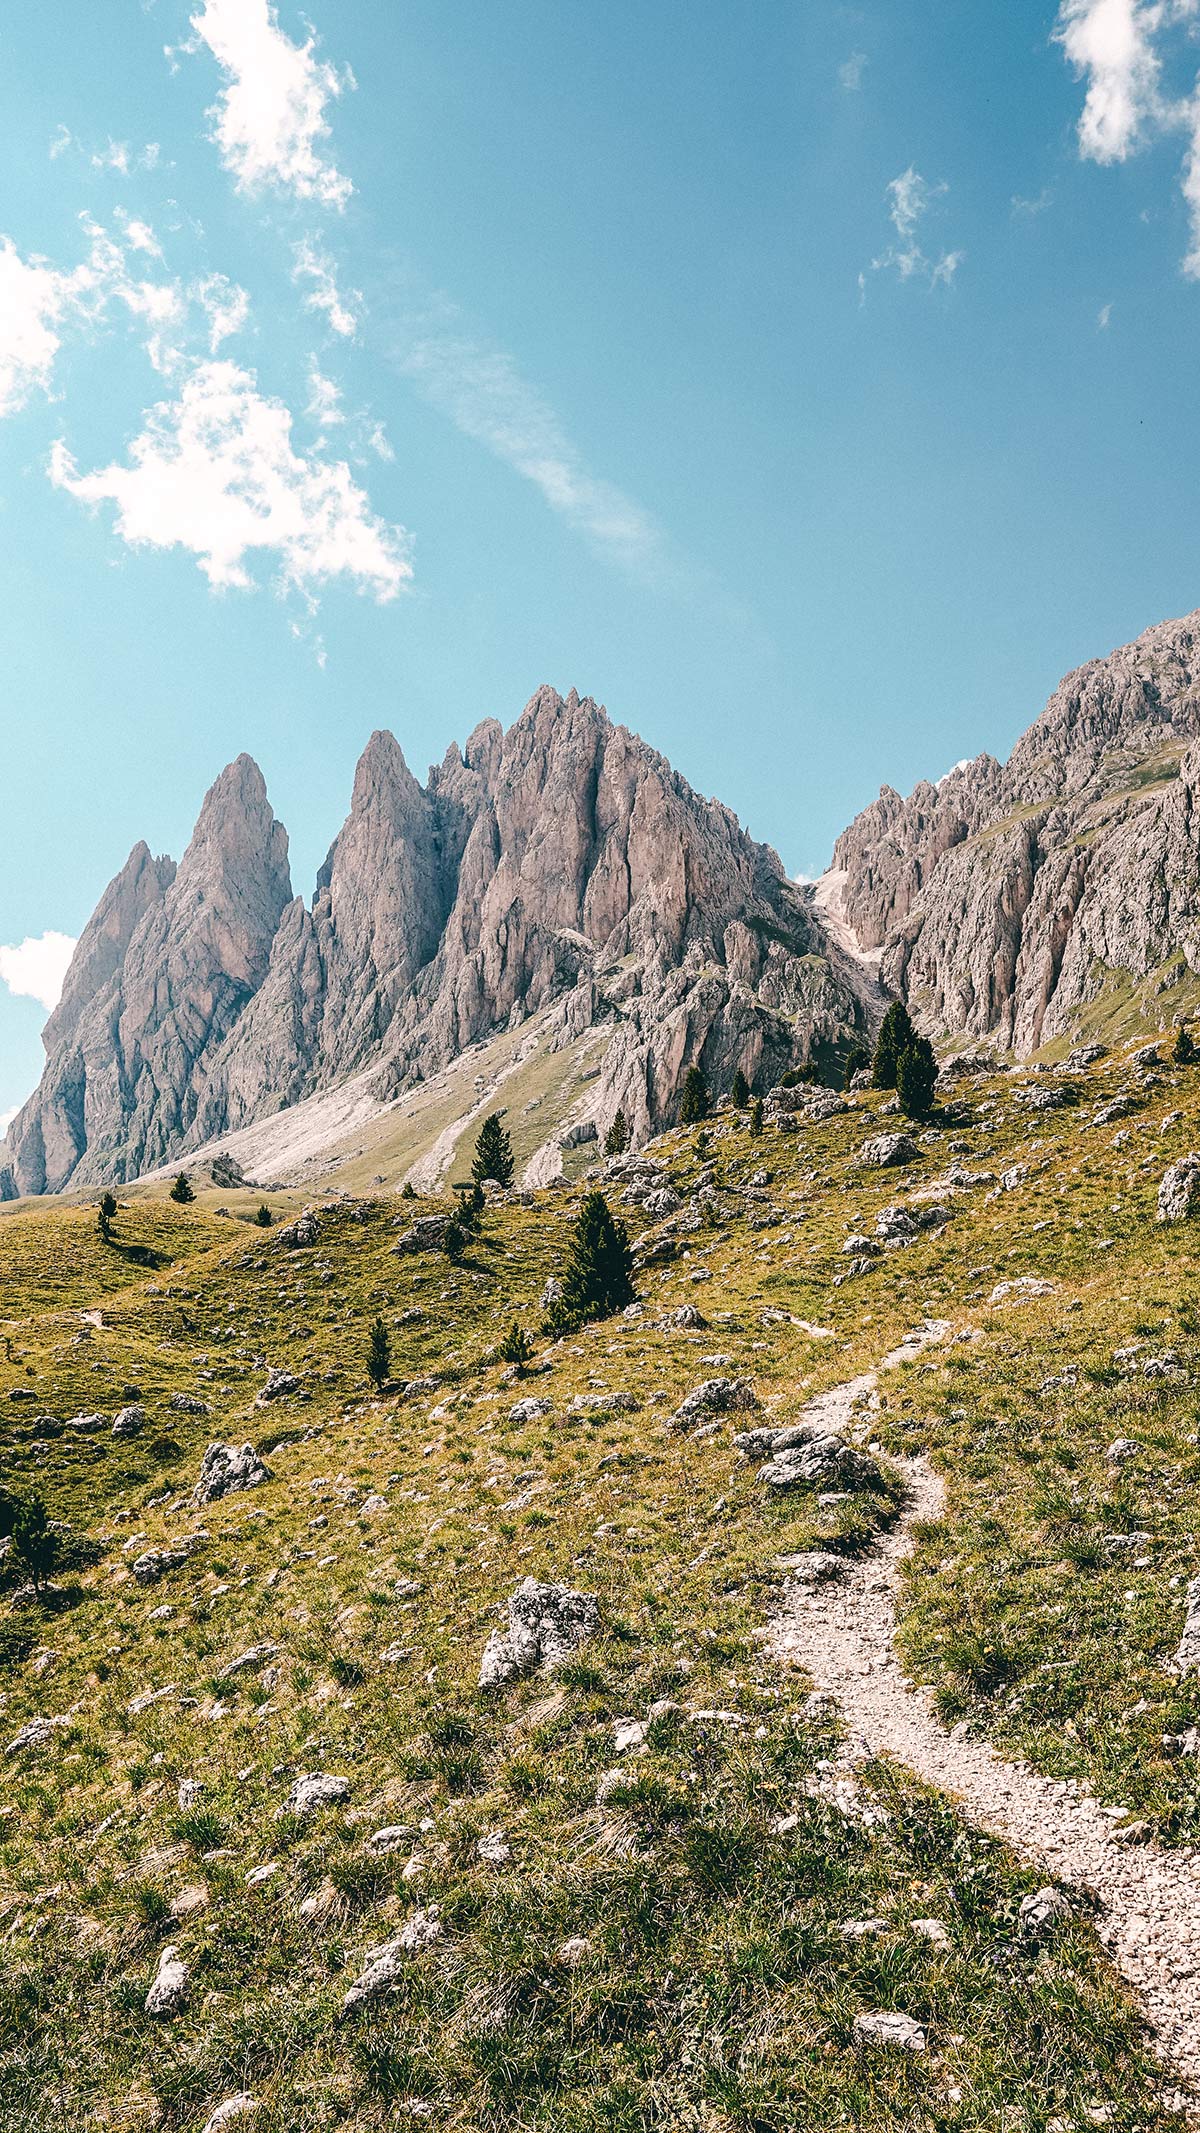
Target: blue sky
[812, 384]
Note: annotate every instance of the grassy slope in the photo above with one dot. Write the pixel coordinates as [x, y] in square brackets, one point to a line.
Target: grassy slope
[716, 1991]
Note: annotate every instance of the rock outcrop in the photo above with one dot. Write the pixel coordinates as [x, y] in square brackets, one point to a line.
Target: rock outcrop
[1007, 901]
[560, 865]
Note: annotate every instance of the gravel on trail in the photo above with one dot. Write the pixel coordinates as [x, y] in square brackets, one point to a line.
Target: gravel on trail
[841, 1632]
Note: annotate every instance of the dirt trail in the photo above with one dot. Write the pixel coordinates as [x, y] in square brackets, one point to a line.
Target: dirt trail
[842, 1634]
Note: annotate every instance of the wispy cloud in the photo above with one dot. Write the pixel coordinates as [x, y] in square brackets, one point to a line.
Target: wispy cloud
[1104, 318]
[483, 393]
[34, 969]
[1037, 205]
[342, 311]
[270, 120]
[851, 71]
[216, 474]
[1121, 48]
[116, 157]
[910, 198]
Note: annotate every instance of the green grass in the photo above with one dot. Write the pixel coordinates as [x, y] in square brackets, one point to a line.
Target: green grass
[711, 1879]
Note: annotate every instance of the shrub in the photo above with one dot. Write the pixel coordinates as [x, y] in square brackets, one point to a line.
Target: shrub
[105, 1216]
[739, 1092]
[1184, 1051]
[181, 1190]
[516, 1347]
[264, 1217]
[493, 1153]
[454, 1239]
[756, 1117]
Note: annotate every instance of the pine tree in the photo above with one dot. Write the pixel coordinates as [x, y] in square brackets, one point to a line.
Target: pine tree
[598, 1277]
[739, 1093]
[454, 1239]
[856, 1059]
[916, 1078]
[379, 1354]
[493, 1153]
[616, 1140]
[516, 1347]
[1183, 1051]
[264, 1217]
[181, 1190]
[105, 1217]
[35, 1544]
[895, 1035]
[408, 1190]
[695, 1102]
[756, 1118]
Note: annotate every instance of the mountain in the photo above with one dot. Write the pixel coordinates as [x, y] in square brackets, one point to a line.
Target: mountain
[561, 871]
[1059, 892]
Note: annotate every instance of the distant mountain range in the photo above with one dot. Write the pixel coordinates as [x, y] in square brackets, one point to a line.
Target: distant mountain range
[562, 875]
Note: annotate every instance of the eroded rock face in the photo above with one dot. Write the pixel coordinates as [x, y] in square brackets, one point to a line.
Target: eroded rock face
[1005, 898]
[560, 862]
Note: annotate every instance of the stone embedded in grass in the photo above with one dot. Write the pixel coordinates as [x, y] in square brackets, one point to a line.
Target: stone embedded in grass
[862, 1928]
[394, 1838]
[227, 2113]
[686, 1315]
[717, 1396]
[530, 1410]
[816, 1458]
[1187, 1657]
[186, 1403]
[931, 1930]
[316, 1790]
[886, 1151]
[280, 1385]
[247, 1661]
[1021, 1290]
[227, 1468]
[130, 1422]
[191, 1791]
[570, 1953]
[299, 1234]
[893, 2031]
[1049, 1907]
[169, 1989]
[1121, 1449]
[494, 1848]
[384, 1966]
[547, 1623]
[36, 1734]
[1179, 1189]
[155, 1563]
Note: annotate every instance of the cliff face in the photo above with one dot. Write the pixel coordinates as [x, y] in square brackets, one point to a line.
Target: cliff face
[1006, 901]
[563, 864]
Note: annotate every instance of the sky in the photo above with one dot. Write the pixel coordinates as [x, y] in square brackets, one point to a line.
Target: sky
[811, 384]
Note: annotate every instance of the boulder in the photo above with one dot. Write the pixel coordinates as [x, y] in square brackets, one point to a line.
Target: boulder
[384, 1966]
[316, 1790]
[226, 1469]
[130, 1422]
[280, 1385]
[547, 1623]
[717, 1396]
[888, 1150]
[169, 1989]
[1049, 1907]
[1179, 1189]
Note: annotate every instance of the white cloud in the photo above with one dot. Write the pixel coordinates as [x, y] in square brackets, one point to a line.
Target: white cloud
[1120, 47]
[851, 71]
[910, 198]
[269, 121]
[1112, 43]
[484, 395]
[35, 969]
[227, 307]
[215, 472]
[33, 300]
[1104, 318]
[325, 296]
[324, 398]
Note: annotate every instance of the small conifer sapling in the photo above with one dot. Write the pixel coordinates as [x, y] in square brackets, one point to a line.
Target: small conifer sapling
[379, 1354]
[695, 1102]
[493, 1153]
[181, 1190]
